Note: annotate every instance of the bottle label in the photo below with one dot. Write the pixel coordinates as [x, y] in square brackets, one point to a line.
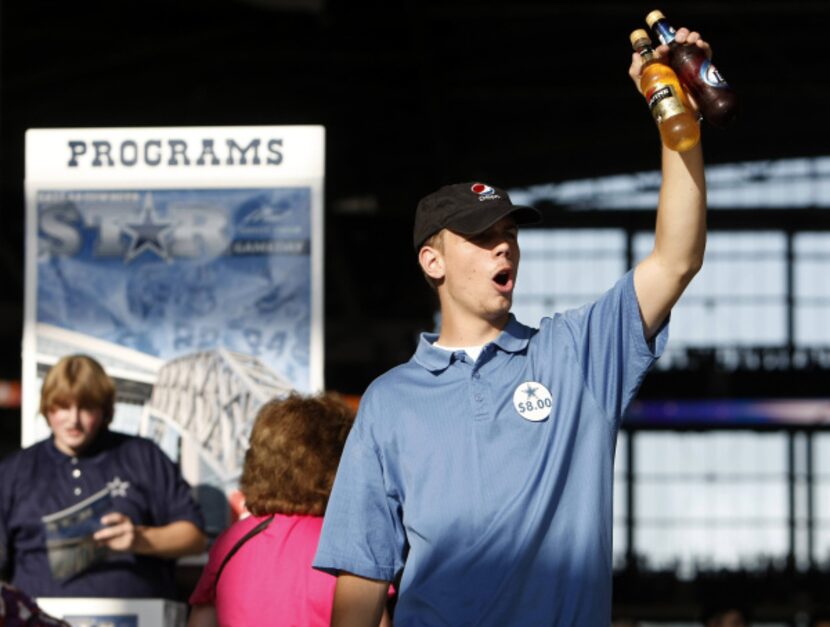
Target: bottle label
[665, 33]
[709, 74]
[664, 102]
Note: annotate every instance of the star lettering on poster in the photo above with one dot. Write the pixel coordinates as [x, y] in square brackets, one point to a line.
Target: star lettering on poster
[149, 234]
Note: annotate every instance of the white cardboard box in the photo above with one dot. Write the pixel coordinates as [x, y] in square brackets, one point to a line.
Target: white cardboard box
[103, 612]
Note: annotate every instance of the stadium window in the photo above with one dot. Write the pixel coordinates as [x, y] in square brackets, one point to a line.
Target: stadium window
[821, 499]
[739, 298]
[811, 272]
[710, 500]
[567, 268]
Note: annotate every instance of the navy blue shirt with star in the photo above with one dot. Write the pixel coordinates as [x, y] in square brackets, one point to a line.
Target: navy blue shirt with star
[40, 480]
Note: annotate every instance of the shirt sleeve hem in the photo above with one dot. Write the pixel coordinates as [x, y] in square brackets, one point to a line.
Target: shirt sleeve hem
[335, 565]
[653, 348]
[646, 350]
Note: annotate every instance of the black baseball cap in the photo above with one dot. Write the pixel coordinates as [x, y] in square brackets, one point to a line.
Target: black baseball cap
[468, 209]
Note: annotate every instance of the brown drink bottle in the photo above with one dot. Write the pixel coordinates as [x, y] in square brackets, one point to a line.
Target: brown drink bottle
[717, 101]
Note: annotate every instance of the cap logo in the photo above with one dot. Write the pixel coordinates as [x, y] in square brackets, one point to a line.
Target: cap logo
[482, 190]
[485, 192]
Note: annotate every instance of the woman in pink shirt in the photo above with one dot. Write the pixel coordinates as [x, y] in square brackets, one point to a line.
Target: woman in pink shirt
[259, 570]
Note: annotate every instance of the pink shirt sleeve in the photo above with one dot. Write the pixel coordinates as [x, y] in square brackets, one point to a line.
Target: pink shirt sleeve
[205, 593]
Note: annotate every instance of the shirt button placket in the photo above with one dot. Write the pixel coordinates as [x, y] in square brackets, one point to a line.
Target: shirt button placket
[479, 397]
[76, 475]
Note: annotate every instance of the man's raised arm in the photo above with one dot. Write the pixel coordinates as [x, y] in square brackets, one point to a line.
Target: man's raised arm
[680, 233]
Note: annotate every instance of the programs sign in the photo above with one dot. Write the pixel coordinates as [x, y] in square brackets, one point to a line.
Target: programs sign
[189, 262]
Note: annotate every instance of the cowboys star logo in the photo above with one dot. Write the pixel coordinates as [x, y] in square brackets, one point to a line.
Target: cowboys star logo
[117, 487]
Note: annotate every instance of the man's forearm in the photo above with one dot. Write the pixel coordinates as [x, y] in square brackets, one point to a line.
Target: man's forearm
[170, 541]
[358, 602]
[679, 240]
[202, 616]
[680, 233]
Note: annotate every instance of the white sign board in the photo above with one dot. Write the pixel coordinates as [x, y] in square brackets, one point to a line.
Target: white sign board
[188, 261]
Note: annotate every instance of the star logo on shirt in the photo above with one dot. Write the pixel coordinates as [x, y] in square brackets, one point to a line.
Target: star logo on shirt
[117, 487]
[149, 234]
[530, 391]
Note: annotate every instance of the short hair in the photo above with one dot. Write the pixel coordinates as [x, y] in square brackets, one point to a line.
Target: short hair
[81, 380]
[294, 451]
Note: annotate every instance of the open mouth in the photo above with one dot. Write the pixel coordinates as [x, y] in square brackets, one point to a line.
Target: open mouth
[504, 280]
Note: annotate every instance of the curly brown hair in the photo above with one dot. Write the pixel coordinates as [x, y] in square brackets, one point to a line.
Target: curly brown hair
[293, 454]
[81, 380]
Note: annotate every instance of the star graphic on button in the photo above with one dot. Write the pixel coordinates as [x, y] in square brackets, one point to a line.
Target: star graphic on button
[117, 487]
[149, 234]
[530, 391]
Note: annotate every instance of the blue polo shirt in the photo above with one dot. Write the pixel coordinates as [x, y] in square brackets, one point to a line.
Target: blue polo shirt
[41, 480]
[489, 484]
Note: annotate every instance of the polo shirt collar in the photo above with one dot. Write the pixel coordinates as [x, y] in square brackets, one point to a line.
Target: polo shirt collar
[101, 442]
[515, 336]
[512, 339]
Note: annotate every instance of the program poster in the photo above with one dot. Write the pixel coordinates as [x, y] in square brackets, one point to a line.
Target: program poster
[188, 261]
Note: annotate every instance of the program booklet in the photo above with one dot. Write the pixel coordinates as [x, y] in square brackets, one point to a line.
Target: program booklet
[69, 543]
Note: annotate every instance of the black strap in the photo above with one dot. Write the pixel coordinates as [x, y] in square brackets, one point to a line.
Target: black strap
[260, 527]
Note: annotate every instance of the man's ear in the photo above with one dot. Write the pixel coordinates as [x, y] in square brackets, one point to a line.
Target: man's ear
[432, 262]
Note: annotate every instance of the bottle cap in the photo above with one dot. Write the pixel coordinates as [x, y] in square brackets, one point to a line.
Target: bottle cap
[637, 36]
[653, 17]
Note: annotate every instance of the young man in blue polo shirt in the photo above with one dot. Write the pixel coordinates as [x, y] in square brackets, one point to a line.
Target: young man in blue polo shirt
[482, 469]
